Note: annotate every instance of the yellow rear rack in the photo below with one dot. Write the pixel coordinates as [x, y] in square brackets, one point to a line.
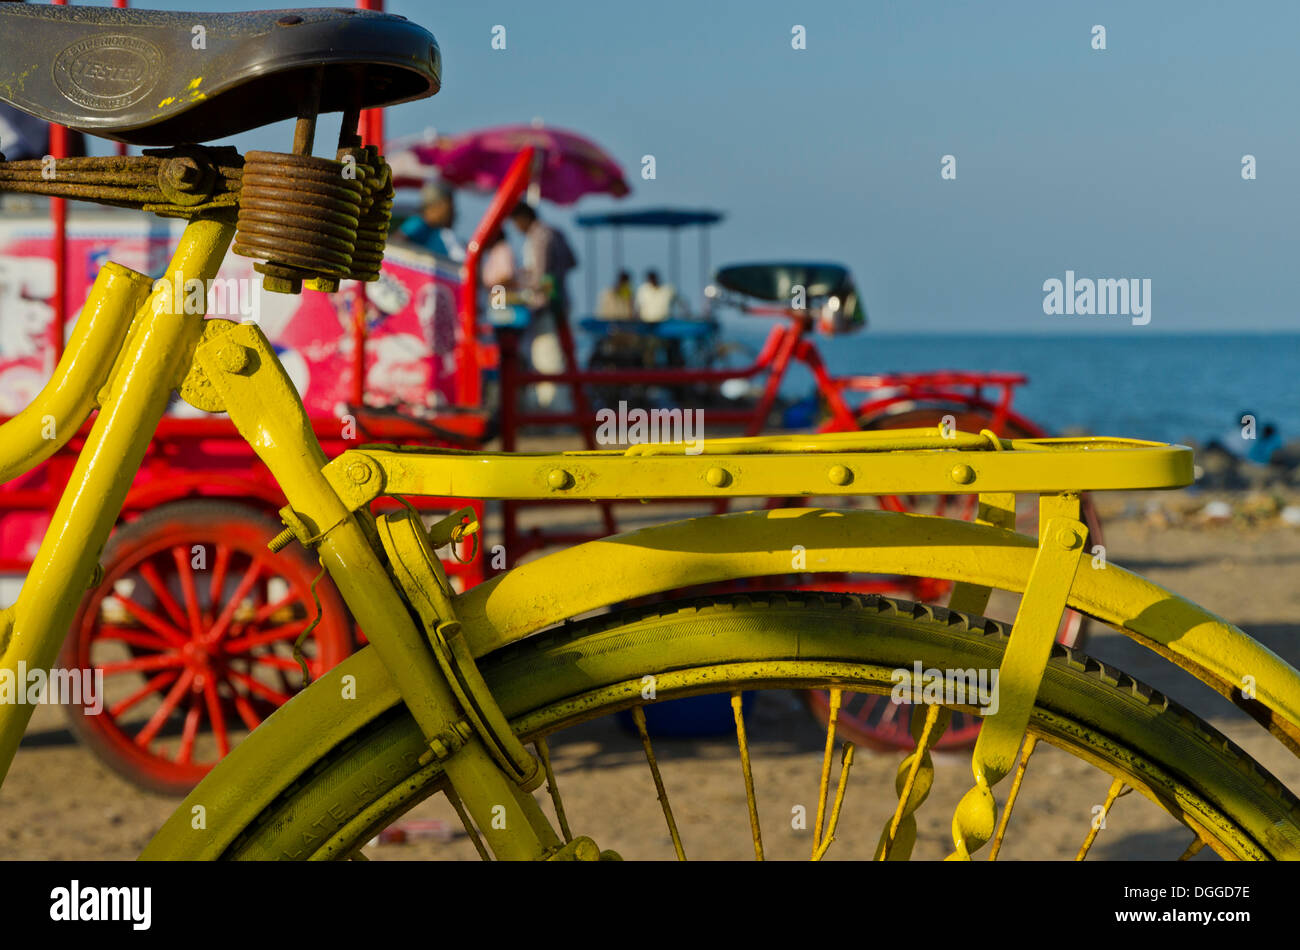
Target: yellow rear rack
[904, 461]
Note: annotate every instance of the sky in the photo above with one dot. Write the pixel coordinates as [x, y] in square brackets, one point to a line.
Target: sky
[1122, 163]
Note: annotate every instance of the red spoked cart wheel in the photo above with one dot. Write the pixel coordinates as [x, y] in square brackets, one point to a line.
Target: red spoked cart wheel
[193, 629]
[878, 722]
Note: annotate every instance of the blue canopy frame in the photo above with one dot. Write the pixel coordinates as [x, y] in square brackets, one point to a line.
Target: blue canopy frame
[649, 218]
[670, 219]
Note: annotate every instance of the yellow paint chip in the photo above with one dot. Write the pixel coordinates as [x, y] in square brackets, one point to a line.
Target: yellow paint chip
[194, 83]
[166, 102]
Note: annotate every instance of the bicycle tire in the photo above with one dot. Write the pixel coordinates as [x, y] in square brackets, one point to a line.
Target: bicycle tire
[795, 640]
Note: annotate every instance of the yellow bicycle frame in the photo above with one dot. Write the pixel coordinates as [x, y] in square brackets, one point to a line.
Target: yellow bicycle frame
[156, 357]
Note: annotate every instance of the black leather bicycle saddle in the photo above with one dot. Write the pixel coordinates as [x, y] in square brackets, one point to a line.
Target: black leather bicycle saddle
[157, 78]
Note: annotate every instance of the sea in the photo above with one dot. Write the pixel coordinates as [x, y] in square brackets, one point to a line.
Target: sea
[1164, 387]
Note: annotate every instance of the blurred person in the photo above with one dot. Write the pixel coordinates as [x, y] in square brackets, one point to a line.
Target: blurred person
[616, 302]
[431, 229]
[655, 301]
[1246, 438]
[498, 262]
[1261, 450]
[547, 260]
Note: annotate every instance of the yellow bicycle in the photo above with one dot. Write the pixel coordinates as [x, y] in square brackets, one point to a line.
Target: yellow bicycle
[452, 687]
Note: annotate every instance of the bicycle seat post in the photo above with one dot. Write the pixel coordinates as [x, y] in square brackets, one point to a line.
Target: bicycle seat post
[304, 131]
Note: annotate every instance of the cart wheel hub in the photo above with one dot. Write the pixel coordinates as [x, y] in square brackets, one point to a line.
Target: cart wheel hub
[196, 655]
[168, 613]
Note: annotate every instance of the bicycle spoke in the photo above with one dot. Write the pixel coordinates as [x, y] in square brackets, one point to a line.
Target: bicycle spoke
[846, 763]
[918, 759]
[217, 716]
[161, 714]
[890, 713]
[1030, 743]
[264, 612]
[247, 642]
[743, 742]
[136, 638]
[544, 753]
[457, 804]
[1117, 788]
[280, 676]
[186, 575]
[218, 582]
[258, 687]
[837, 696]
[140, 664]
[276, 663]
[218, 629]
[149, 573]
[153, 685]
[185, 754]
[638, 716]
[245, 709]
[152, 621]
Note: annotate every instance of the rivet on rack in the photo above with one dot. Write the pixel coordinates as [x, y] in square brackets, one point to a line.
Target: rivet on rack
[962, 474]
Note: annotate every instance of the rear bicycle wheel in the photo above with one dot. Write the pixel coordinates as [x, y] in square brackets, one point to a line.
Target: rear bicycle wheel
[797, 640]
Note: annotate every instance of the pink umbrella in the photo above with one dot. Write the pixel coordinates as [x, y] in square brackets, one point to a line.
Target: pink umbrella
[567, 167]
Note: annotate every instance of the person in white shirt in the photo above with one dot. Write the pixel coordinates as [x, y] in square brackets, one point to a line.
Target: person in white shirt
[654, 301]
[616, 302]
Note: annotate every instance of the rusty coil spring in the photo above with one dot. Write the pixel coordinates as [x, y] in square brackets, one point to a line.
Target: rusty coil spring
[376, 212]
[299, 215]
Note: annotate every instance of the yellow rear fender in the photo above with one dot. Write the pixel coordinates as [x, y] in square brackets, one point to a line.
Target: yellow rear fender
[803, 540]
